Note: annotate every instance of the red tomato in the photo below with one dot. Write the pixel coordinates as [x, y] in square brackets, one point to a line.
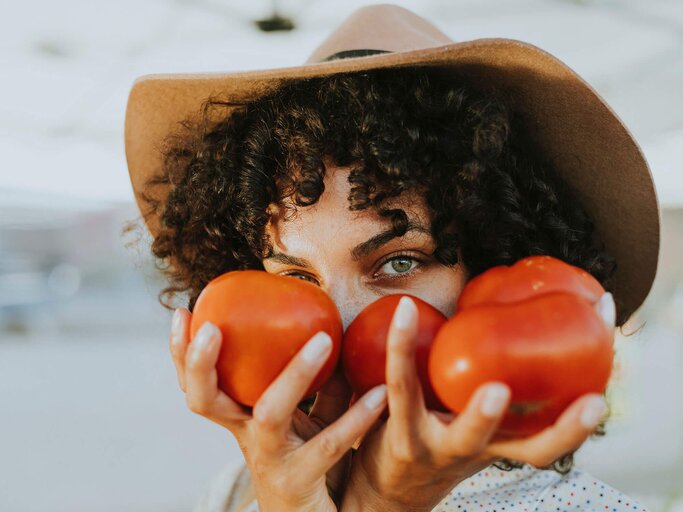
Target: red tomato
[265, 320]
[364, 351]
[531, 276]
[548, 347]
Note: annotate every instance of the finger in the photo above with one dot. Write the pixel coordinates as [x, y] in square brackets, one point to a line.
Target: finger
[403, 386]
[326, 448]
[472, 429]
[607, 310]
[203, 396]
[332, 399]
[274, 409]
[179, 340]
[570, 430]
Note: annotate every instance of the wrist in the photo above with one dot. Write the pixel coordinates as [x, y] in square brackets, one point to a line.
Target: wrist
[360, 496]
[356, 502]
[368, 503]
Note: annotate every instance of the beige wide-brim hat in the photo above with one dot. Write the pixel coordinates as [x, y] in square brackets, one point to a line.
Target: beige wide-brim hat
[572, 125]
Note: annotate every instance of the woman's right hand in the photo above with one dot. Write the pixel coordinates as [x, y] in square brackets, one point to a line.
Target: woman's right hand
[296, 462]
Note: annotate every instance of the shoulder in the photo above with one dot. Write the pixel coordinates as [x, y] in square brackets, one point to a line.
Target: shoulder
[529, 488]
[224, 491]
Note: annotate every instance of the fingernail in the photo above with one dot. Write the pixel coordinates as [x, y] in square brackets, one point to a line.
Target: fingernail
[405, 311]
[207, 332]
[495, 398]
[607, 309]
[593, 411]
[316, 347]
[376, 397]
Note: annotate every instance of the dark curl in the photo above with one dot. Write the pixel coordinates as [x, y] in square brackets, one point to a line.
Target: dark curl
[493, 198]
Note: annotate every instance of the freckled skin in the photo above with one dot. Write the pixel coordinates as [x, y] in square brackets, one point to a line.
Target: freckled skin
[326, 232]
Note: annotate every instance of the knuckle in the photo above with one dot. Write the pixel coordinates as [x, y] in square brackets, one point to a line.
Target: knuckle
[198, 406]
[473, 442]
[329, 446]
[195, 362]
[192, 362]
[300, 373]
[176, 351]
[468, 449]
[263, 420]
[396, 385]
[177, 361]
[400, 346]
[405, 452]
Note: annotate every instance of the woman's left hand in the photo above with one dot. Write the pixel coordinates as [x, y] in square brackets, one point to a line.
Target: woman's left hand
[414, 459]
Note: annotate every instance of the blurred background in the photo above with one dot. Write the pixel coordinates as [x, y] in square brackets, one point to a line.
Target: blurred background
[91, 417]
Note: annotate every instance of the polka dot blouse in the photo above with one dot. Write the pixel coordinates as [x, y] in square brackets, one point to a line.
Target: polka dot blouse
[533, 490]
[526, 489]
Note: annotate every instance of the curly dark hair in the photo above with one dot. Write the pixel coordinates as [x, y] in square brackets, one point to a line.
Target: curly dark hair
[493, 198]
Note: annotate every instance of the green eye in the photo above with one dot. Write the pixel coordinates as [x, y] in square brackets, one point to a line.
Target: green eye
[401, 265]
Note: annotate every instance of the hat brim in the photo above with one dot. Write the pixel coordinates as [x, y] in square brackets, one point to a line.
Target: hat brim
[588, 144]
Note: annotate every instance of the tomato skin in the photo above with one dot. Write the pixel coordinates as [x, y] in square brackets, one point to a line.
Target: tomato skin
[550, 349]
[531, 276]
[533, 326]
[265, 319]
[364, 351]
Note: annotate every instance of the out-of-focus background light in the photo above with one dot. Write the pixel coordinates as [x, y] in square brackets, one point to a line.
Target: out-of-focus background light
[91, 417]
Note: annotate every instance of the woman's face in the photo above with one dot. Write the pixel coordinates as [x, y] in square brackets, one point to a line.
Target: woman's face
[350, 256]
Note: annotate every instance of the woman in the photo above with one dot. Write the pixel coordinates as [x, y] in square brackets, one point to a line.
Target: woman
[368, 178]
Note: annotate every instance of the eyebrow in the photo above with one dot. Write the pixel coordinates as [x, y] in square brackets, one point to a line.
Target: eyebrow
[358, 252]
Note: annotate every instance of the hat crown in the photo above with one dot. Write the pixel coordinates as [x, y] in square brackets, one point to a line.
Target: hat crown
[385, 28]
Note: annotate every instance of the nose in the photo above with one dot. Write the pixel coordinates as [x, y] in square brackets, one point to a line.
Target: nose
[349, 310]
[349, 298]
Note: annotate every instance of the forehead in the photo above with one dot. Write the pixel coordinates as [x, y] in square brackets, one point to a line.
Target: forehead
[330, 217]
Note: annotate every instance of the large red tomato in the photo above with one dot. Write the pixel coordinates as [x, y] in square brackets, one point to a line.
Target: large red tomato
[533, 326]
[364, 351]
[265, 320]
[531, 276]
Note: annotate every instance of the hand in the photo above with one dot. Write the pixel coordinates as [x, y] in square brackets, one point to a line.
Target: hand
[414, 459]
[296, 462]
